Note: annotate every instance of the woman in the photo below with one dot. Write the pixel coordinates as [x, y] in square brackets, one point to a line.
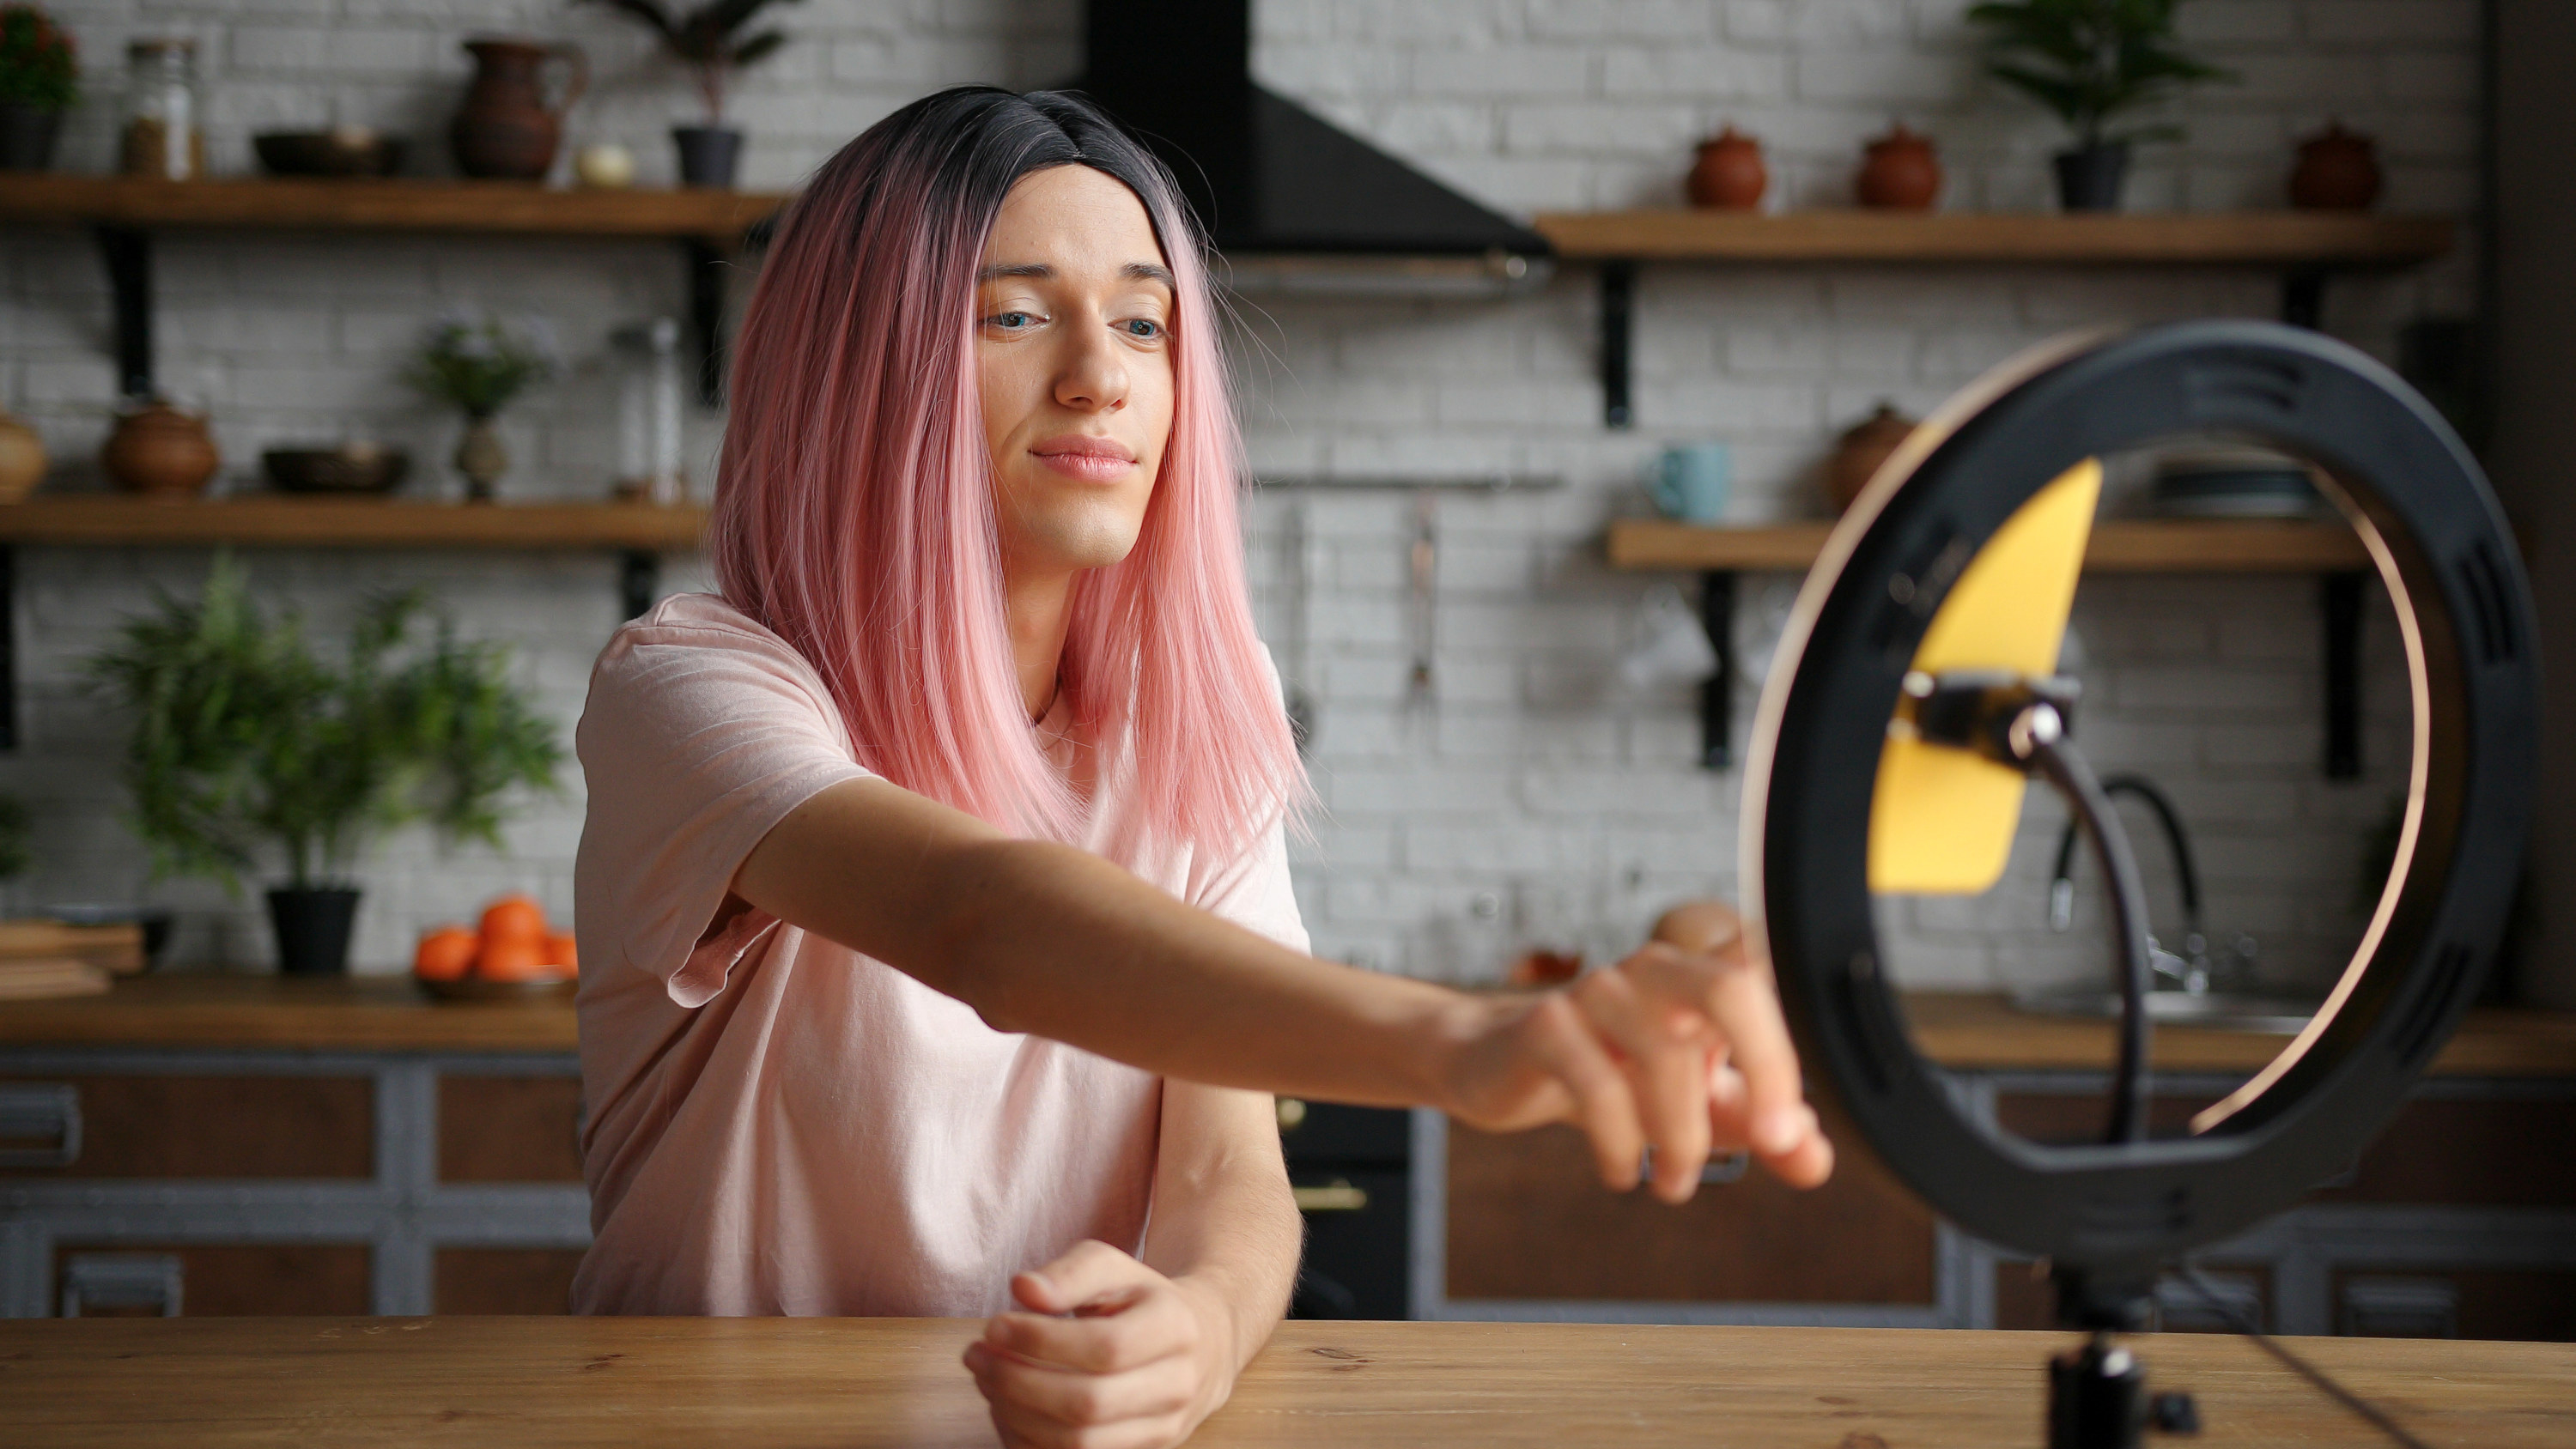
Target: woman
[933, 882]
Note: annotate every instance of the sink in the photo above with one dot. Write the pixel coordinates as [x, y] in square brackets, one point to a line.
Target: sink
[2224, 1011]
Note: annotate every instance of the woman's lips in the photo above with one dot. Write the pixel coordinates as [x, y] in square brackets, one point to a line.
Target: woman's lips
[1090, 459]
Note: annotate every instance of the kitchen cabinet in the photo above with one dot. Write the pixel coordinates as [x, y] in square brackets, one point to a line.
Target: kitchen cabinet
[213, 1146]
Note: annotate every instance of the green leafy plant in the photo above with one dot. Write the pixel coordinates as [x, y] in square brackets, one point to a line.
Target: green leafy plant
[244, 740]
[39, 65]
[479, 364]
[2092, 60]
[703, 39]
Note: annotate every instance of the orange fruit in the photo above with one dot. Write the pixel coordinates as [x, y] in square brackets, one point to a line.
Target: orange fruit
[514, 918]
[515, 961]
[560, 952]
[445, 953]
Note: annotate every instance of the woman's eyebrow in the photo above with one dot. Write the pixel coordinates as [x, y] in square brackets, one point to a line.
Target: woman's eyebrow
[1149, 272]
[1133, 271]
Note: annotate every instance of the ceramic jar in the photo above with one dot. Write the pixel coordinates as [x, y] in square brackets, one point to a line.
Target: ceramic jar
[1728, 173]
[1863, 447]
[506, 131]
[1899, 172]
[22, 459]
[2338, 170]
[161, 452]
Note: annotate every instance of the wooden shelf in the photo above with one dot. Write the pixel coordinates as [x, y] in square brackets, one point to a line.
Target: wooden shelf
[349, 523]
[2121, 546]
[2256, 238]
[314, 204]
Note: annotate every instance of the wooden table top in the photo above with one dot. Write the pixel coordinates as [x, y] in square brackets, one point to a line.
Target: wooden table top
[1965, 1030]
[857, 1383]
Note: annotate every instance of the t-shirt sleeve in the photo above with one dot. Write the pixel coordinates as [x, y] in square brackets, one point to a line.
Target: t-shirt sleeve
[1254, 891]
[694, 742]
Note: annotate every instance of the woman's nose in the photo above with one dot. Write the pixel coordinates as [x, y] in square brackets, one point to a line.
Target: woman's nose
[1094, 377]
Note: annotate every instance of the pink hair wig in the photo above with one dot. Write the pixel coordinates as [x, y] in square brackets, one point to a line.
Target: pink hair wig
[854, 512]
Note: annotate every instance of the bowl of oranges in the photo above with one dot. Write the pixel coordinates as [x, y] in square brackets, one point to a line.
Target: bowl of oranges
[513, 953]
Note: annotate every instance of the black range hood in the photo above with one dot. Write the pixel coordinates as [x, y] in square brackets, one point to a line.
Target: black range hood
[1281, 191]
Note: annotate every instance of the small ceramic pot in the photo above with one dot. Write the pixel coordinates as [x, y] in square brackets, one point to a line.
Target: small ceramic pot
[161, 452]
[1863, 447]
[708, 154]
[1899, 172]
[2089, 178]
[2338, 170]
[27, 136]
[482, 459]
[22, 460]
[1729, 174]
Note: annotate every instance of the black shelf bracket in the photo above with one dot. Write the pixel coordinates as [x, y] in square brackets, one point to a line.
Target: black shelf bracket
[2303, 297]
[1717, 692]
[8, 647]
[1618, 344]
[127, 252]
[707, 267]
[2342, 593]
[639, 580]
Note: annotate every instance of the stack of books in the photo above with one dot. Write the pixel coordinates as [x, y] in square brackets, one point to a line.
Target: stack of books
[47, 958]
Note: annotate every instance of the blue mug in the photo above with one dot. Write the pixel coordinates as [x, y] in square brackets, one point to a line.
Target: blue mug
[1691, 481]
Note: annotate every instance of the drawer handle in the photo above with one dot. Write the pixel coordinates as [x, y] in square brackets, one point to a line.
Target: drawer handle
[122, 1280]
[35, 1114]
[1341, 1197]
[1292, 1114]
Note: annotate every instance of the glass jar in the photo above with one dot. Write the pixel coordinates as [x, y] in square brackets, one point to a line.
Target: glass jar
[164, 132]
[649, 467]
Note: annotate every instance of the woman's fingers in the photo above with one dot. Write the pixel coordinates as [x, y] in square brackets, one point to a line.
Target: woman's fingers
[1067, 1396]
[1665, 1051]
[1124, 1314]
[1756, 1095]
[1566, 1047]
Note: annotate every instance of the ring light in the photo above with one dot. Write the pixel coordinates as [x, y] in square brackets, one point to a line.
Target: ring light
[1923, 640]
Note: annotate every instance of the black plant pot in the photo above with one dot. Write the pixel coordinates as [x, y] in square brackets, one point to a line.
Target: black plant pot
[2089, 179]
[313, 928]
[27, 137]
[707, 154]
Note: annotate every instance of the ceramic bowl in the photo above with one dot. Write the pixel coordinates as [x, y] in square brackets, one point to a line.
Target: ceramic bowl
[348, 468]
[345, 152]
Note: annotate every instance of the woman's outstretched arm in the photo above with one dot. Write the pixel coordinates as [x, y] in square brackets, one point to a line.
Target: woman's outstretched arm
[1049, 939]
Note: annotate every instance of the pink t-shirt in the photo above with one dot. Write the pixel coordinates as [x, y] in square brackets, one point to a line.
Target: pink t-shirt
[778, 1124]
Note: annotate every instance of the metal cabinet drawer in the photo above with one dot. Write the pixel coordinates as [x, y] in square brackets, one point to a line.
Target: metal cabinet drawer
[147, 1125]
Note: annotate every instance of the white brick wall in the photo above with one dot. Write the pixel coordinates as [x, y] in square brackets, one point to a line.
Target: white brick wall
[1529, 782]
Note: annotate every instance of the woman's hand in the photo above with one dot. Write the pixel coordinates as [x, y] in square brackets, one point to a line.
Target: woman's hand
[1681, 1048]
[1140, 1361]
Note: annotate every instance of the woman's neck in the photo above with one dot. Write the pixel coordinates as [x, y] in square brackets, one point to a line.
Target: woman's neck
[1040, 610]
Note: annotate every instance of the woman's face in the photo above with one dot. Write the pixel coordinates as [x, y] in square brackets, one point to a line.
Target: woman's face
[1074, 348]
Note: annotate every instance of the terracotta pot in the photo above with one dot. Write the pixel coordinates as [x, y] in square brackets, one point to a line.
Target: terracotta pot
[1729, 173]
[1899, 172]
[1864, 446]
[506, 131]
[22, 460]
[2338, 170]
[161, 452]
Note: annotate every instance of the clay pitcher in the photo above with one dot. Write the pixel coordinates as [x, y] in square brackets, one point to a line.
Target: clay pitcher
[160, 452]
[1729, 173]
[506, 131]
[2338, 171]
[1899, 172]
[22, 459]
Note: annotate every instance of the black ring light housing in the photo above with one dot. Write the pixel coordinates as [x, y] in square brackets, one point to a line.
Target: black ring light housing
[2108, 1216]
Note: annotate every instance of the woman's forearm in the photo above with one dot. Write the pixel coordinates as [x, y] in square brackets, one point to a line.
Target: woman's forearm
[1225, 1226]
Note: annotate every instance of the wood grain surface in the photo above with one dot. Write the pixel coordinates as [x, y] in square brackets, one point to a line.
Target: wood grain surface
[862, 1383]
[1965, 1030]
[2136, 546]
[363, 1013]
[351, 204]
[272, 520]
[2244, 238]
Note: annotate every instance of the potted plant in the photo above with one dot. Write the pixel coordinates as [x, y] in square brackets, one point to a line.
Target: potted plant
[704, 40]
[2091, 61]
[478, 367]
[247, 747]
[39, 80]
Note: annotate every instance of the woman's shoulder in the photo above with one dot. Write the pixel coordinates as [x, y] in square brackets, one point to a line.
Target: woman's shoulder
[701, 638]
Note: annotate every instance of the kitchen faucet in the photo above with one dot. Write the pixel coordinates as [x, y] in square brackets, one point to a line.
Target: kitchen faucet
[2190, 971]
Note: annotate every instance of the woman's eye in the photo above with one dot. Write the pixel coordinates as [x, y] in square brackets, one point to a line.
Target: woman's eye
[1142, 327]
[1010, 321]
